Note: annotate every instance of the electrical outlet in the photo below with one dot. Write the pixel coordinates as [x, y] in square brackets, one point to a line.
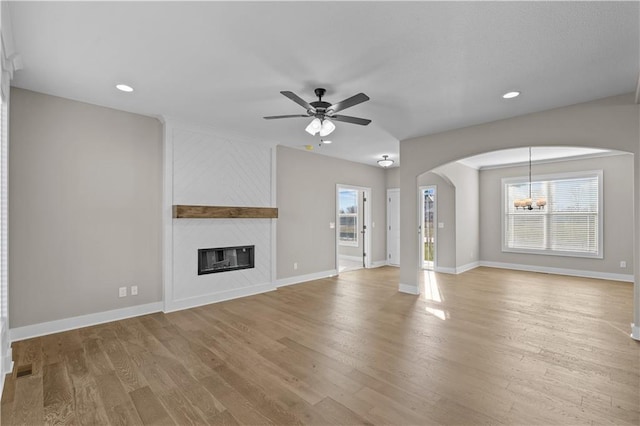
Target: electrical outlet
[295, 265]
[623, 264]
[134, 290]
[122, 292]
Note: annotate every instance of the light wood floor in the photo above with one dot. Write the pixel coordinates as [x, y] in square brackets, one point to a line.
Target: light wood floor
[487, 346]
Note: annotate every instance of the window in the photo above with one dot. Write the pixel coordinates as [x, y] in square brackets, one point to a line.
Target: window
[348, 217]
[569, 225]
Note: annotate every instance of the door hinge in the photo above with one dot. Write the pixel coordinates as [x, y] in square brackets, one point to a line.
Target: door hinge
[364, 254]
[389, 255]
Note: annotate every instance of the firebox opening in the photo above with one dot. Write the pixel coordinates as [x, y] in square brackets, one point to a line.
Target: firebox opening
[222, 259]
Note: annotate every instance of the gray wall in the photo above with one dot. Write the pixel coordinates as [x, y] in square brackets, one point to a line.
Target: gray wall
[393, 177]
[617, 212]
[606, 123]
[446, 214]
[306, 200]
[85, 190]
[466, 182]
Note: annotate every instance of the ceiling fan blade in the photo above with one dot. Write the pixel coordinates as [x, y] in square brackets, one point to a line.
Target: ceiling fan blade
[297, 99]
[271, 117]
[352, 120]
[349, 102]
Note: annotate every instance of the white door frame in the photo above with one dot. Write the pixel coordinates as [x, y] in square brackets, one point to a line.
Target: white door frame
[389, 192]
[421, 224]
[367, 222]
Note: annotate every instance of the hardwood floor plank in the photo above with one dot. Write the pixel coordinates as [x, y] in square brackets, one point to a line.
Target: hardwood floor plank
[338, 414]
[180, 409]
[58, 395]
[486, 346]
[89, 409]
[149, 407]
[28, 406]
[239, 406]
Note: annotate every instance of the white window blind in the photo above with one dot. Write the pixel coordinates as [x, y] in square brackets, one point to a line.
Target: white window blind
[569, 225]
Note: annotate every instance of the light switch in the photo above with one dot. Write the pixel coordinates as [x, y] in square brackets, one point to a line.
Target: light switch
[332, 225]
[441, 225]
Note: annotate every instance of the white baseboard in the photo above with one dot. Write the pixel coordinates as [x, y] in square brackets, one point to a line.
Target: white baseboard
[298, 279]
[379, 263]
[409, 289]
[207, 299]
[66, 324]
[7, 366]
[635, 331]
[467, 267]
[560, 271]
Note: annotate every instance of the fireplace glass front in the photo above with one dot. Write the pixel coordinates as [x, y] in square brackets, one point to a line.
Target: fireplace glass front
[222, 259]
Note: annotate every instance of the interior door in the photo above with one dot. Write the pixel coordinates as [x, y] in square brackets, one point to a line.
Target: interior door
[393, 226]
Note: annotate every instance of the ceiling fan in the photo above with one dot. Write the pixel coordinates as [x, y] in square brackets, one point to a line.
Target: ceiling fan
[324, 112]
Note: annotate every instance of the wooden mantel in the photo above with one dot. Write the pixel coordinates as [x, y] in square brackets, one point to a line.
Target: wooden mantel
[223, 212]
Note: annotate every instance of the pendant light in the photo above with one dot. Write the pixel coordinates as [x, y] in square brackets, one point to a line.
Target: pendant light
[527, 203]
[385, 162]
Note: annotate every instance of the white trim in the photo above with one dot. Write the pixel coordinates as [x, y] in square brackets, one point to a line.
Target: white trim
[467, 267]
[167, 214]
[298, 279]
[207, 299]
[409, 289]
[351, 258]
[560, 271]
[57, 326]
[388, 253]
[274, 222]
[635, 331]
[380, 263]
[445, 270]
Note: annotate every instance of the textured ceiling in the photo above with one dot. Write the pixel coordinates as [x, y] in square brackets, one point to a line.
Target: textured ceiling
[427, 66]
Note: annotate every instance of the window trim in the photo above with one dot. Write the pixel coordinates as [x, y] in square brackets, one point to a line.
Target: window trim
[546, 177]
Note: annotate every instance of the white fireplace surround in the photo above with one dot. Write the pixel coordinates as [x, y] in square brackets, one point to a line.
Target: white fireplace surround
[194, 175]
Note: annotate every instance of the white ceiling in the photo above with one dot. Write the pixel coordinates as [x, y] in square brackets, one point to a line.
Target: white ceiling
[538, 154]
[427, 66]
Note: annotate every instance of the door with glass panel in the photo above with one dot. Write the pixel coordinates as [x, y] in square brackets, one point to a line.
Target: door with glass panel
[428, 220]
[352, 236]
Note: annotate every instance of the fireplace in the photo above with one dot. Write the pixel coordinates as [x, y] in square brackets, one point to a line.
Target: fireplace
[222, 259]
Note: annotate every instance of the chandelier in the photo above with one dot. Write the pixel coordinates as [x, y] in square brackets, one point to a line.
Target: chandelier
[527, 203]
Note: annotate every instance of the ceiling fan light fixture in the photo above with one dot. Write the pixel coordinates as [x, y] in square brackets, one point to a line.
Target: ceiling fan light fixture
[314, 127]
[385, 162]
[327, 127]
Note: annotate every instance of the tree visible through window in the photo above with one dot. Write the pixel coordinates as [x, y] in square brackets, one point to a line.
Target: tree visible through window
[569, 225]
[348, 216]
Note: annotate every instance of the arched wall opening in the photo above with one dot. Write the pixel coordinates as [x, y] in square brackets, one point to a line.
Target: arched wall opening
[471, 215]
[609, 123]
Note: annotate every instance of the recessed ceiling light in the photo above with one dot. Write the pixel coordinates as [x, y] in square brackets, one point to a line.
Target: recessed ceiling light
[323, 141]
[511, 95]
[124, 88]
